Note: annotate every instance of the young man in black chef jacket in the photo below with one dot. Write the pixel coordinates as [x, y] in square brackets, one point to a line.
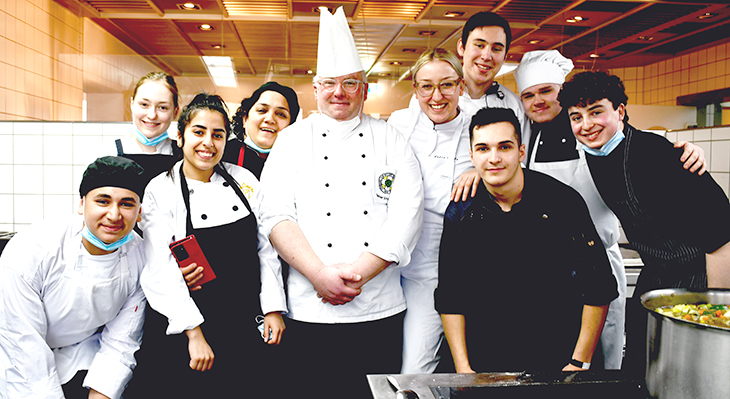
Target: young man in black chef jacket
[524, 281]
[677, 221]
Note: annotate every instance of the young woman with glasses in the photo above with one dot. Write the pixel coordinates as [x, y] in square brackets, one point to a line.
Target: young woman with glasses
[438, 132]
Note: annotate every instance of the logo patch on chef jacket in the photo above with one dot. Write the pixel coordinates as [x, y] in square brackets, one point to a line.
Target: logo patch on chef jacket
[246, 190]
[385, 182]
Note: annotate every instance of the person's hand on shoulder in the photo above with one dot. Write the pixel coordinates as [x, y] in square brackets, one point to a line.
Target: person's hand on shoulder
[466, 183]
[693, 157]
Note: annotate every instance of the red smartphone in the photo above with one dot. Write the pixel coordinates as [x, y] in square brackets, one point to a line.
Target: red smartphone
[187, 251]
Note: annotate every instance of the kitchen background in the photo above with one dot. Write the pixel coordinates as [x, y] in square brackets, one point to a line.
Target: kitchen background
[58, 68]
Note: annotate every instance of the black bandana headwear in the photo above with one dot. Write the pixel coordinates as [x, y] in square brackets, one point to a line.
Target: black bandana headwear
[113, 172]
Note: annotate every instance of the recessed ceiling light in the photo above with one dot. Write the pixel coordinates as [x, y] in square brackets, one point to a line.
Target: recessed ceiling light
[707, 15]
[536, 41]
[205, 27]
[409, 50]
[646, 38]
[319, 8]
[188, 6]
[453, 14]
[576, 19]
[427, 32]
[396, 63]
[217, 46]
[309, 72]
[594, 55]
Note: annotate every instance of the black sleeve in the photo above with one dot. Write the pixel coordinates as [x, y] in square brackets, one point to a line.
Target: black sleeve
[694, 207]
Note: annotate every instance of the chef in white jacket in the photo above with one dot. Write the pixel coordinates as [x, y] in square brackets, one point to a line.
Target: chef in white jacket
[438, 132]
[343, 204]
[70, 297]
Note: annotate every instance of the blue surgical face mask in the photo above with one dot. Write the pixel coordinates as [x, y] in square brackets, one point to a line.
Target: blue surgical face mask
[608, 147]
[90, 237]
[253, 145]
[148, 142]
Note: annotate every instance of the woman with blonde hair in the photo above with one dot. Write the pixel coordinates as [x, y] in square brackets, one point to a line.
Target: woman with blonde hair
[438, 132]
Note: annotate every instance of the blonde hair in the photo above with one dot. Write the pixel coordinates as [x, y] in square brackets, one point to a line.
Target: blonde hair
[438, 54]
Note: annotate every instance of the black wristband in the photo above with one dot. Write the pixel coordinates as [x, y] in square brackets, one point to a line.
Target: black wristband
[579, 364]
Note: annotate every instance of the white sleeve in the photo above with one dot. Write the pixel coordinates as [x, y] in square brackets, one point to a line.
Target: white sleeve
[272, 296]
[112, 366]
[161, 279]
[278, 180]
[399, 234]
[26, 361]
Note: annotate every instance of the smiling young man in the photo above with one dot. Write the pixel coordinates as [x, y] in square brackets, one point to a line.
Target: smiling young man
[523, 246]
[677, 221]
[70, 298]
[484, 44]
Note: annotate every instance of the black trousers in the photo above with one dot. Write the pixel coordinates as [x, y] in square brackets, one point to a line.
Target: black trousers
[332, 360]
[73, 389]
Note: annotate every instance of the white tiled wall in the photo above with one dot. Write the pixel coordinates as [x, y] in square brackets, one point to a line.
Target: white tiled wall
[716, 144]
[41, 164]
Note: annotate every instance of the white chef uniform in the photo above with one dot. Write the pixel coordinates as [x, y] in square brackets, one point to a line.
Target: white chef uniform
[443, 153]
[163, 221]
[576, 174]
[504, 98]
[336, 185]
[54, 298]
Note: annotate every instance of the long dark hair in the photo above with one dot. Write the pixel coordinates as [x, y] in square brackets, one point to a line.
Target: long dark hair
[239, 128]
[201, 101]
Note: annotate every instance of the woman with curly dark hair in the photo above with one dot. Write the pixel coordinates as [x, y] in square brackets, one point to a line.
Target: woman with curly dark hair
[257, 123]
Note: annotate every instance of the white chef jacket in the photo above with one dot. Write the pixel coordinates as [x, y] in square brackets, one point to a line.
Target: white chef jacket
[163, 221]
[334, 185]
[442, 151]
[510, 100]
[54, 297]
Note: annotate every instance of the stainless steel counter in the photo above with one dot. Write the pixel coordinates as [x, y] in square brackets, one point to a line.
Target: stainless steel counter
[594, 385]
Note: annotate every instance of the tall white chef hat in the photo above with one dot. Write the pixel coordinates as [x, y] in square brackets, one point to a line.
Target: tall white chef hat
[542, 66]
[336, 51]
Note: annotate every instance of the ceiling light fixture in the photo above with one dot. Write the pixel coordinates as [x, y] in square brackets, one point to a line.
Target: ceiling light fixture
[396, 63]
[707, 15]
[188, 6]
[221, 70]
[594, 55]
[427, 32]
[409, 50]
[536, 41]
[205, 27]
[319, 9]
[218, 46]
[453, 14]
[576, 19]
[646, 38]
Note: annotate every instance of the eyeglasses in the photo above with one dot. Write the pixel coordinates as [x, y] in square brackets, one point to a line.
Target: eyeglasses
[349, 85]
[446, 87]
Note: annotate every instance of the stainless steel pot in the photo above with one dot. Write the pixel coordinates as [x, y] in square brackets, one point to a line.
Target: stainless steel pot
[686, 359]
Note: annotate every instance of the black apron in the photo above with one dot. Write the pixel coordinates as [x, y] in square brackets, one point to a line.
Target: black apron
[229, 304]
[153, 164]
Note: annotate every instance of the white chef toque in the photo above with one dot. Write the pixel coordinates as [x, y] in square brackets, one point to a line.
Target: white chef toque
[336, 51]
[540, 67]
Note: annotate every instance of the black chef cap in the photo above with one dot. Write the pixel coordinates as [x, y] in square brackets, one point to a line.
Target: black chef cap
[113, 172]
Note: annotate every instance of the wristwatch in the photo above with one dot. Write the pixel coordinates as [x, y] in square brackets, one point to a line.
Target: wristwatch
[579, 364]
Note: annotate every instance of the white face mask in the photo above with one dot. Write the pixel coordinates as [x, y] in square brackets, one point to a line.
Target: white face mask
[608, 147]
[90, 237]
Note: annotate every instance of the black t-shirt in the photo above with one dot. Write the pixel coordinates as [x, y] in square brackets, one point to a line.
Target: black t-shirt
[521, 278]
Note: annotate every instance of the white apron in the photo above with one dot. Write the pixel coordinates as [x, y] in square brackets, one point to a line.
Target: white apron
[577, 175]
